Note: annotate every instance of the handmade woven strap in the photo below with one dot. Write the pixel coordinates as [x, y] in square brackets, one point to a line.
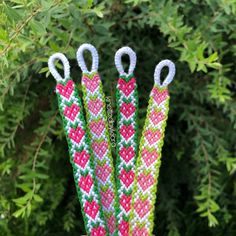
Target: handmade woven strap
[126, 149]
[149, 158]
[94, 102]
[80, 154]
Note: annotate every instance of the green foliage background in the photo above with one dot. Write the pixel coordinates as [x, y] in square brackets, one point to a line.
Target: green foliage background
[197, 187]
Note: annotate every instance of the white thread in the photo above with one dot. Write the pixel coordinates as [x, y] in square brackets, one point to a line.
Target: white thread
[132, 58]
[169, 77]
[53, 69]
[80, 58]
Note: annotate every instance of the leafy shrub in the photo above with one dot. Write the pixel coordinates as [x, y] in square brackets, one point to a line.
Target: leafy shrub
[197, 187]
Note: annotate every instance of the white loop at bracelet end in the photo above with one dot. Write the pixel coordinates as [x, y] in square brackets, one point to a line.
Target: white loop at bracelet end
[169, 77]
[80, 58]
[132, 58]
[52, 68]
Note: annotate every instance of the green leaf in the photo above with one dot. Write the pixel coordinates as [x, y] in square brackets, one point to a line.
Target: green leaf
[37, 198]
[19, 213]
[37, 27]
[212, 220]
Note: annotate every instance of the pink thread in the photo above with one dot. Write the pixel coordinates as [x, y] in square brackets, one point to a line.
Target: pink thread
[66, 90]
[127, 131]
[100, 148]
[123, 228]
[91, 208]
[76, 134]
[95, 106]
[125, 202]
[127, 153]
[140, 231]
[159, 96]
[142, 207]
[145, 181]
[152, 136]
[111, 224]
[126, 87]
[103, 172]
[91, 84]
[86, 183]
[149, 156]
[72, 112]
[97, 127]
[156, 117]
[127, 109]
[107, 198]
[81, 158]
[99, 231]
[127, 177]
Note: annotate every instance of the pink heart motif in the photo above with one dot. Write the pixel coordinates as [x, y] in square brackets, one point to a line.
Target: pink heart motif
[111, 224]
[91, 208]
[152, 136]
[107, 198]
[145, 181]
[125, 202]
[127, 177]
[123, 228]
[97, 127]
[142, 207]
[86, 183]
[149, 157]
[127, 109]
[76, 134]
[95, 106]
[140, 231]
[127, 153]
[65, 90]
[81, 158]
[100, 148]
[91, 84]
[103, 172]
[156, 117]
[159, 95]
[127, 131]
[126, 87]
[71, 112]
[99, 231]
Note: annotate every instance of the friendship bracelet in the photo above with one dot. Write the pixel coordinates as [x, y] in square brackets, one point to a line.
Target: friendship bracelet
[127, 144]
[94, 103]
[80, 154]
[149, 158]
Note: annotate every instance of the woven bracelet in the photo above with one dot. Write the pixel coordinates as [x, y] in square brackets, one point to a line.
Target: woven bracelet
[127, 143]
[149, 158]
[94, 103]
[79, 149]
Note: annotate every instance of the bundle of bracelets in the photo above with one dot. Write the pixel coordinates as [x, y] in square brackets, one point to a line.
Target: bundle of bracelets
[114, 201]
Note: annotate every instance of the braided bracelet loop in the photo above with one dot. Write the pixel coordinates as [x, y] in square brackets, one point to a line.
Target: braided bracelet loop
[81, 61]
[132, 58]
[53, 70]
[169, 77]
